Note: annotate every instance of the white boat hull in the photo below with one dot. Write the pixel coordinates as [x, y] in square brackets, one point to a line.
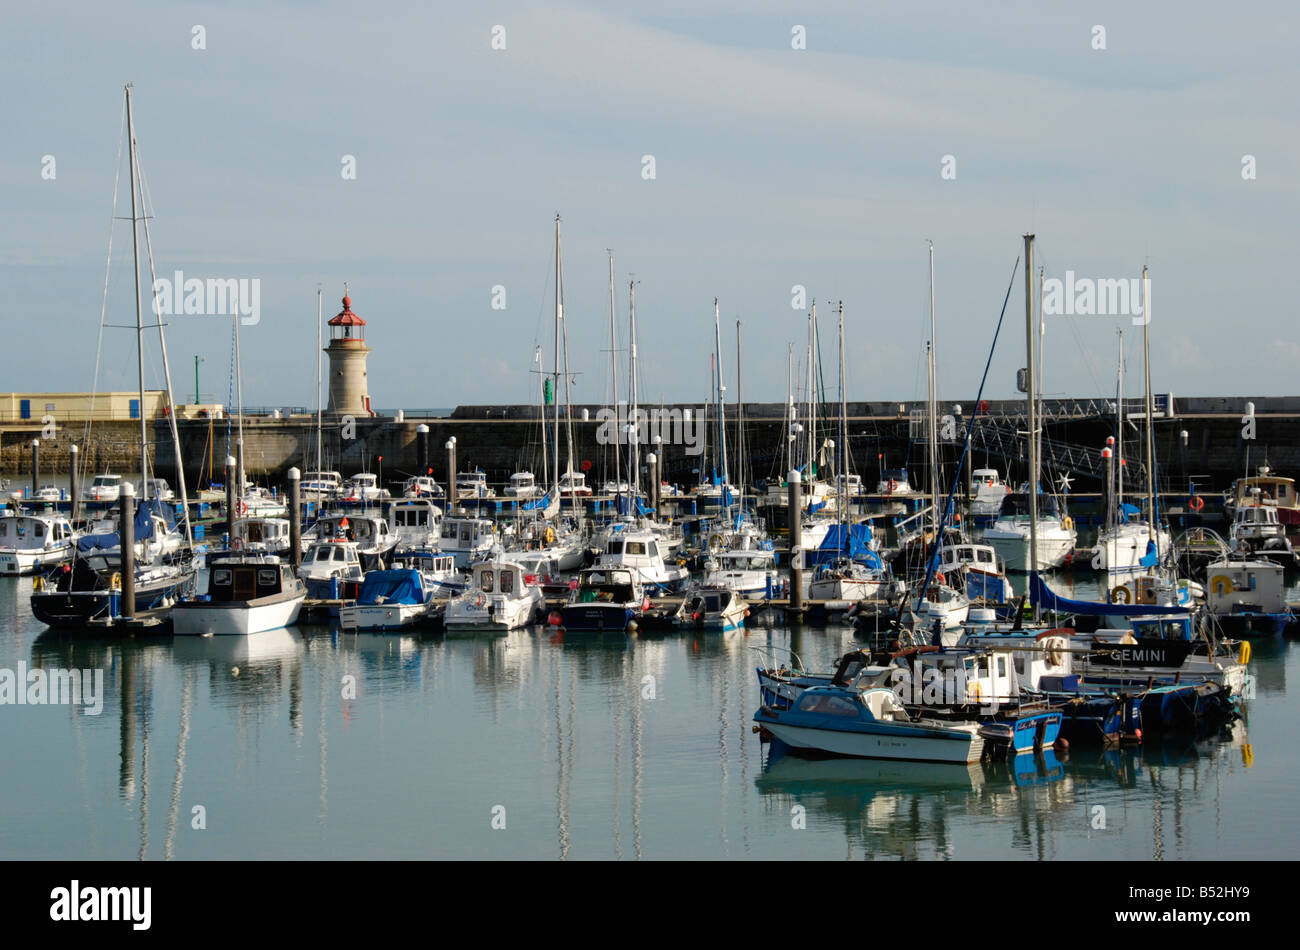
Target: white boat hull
[1013, 548]
[30, 562]
[382, 616]
[234, 619]
[959, 747]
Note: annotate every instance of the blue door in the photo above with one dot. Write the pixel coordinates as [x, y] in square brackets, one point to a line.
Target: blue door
[135, 409]
[24, 409]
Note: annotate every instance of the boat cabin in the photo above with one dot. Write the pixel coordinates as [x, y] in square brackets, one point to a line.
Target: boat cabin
[472, 485]
[522, 485]
[422, 486]
[605, 585]
[574, 483]
[34, 532]
[238, 581]
[104, 488]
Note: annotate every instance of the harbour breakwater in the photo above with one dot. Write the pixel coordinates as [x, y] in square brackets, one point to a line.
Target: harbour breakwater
[1209, 440]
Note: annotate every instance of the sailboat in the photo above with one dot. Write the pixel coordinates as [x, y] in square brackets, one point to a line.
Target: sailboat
[849, 574]
[89, 589]
[1032, 532]
[1127, 545]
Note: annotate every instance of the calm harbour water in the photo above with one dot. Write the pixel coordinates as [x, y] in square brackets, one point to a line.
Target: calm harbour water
[584, 748]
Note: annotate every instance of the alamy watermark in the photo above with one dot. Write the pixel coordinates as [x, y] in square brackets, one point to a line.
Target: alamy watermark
[622, 426]
[214, 296]
[55, 687]
[1101, 297]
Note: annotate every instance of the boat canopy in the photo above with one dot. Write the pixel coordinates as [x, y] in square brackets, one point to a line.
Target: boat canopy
[1040, 594]
[857, 546]
[398, 586]
[143, 527]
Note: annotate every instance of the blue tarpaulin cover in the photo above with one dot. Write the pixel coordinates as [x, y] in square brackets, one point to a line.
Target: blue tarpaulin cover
[858, 546]
[143, 527]
[398, 586]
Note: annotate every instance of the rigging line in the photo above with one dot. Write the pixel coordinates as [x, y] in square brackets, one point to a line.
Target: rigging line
[147, 205]
[933, 560]
[103, 307]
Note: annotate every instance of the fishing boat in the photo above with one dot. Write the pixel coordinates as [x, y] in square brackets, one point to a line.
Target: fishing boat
[467, 539]
[983, 575]
[31, 543]
[1266, 489]
[416, 522]
[438, 572]
[497, 599]
[473, 485]
[388, 600]
[1247, 598]
[332, 570]
[601, 601]
[257, 536]
[872, 724]
[708, 607]
[248, 593]
[640, 551]
[375, 541]
[1258, 530]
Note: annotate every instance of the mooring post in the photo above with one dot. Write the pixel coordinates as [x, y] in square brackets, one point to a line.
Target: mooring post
[126, 535]
[295, 521]
[422, 449]
[795, 505]
[76, 494]
[36, 466]
[230, 501]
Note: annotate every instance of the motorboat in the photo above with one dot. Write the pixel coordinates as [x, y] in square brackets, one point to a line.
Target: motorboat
[988, 491]
[374, 539]
[473, 485]
[711, 607]
[497, 599]
[364, 487]
[388, 600]
[332, 570]
[466, 538]
[247, 593]
[602, 600]
[34, 542]
[1010, 534]
[320, 486]
[640, 551]
[422, 486]
[523, 485]
[871, 723]
[106, 488]
[416, 522]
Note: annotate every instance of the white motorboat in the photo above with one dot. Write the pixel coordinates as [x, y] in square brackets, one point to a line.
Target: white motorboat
[106, 487]
[574, 484]
[640, 551]
[473, 485]
[364, 487]
[523, 485]
[497, 599]
[388, 600]
[423, 486]
[31, 543]
[416, 522]
[320, 486]
[750, 572]
[988, 493]
[374, 539]
[467, 539]
[1121, 549]
[246, 594]
[332, 570]
[1009, 535]
[984, 577]
[260, 536]
[709, 607]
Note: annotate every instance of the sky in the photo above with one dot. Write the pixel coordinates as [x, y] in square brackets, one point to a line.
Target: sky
[828, 167]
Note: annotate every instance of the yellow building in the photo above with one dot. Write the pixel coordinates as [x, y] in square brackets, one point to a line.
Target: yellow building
[78, 407]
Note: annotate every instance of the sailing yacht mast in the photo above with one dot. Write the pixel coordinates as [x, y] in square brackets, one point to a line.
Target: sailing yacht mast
[1033, 410]
[933, 408]
[1119, 436]
[1151, 452]
[740, 429]
[555, 389]
[634, 450]
[722, 412]
[844, 443]
[319, 317]
[613, 374]
[139, 315]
